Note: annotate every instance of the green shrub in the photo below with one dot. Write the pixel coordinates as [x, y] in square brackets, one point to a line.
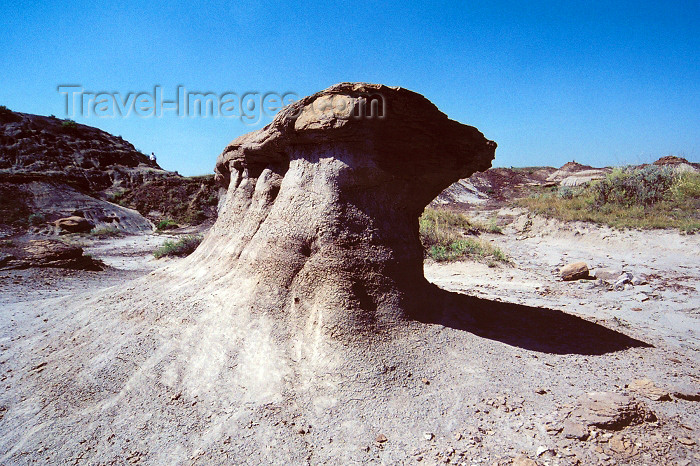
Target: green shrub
[634, 187]
[686, 187]
[439, 227]
[166, 224]
[565, 192]
[466, 247]
[182, 247]
[492, 227]
[69, 125]
[118, 196]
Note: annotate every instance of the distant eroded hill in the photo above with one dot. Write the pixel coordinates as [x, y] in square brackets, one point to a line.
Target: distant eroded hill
[52, 168]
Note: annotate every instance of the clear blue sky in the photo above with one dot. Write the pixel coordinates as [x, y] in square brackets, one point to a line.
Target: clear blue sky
[603, 83]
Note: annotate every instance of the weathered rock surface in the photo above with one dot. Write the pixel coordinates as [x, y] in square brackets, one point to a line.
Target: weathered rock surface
[87, 157]
[607, 274]
[73, 224]
[574, 430]
[322, 206]
[648, 389]
[574, 271]
[50, 253]
[49, 168]
[575, 174]
[612, 411]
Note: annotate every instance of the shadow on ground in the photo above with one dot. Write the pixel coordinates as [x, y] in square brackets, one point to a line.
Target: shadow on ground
[537, 329]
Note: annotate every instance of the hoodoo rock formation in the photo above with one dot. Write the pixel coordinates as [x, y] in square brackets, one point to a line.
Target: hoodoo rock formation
[302, 330]
[322, 205]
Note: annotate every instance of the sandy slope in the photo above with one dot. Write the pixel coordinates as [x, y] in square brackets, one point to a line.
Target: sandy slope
[162, 370]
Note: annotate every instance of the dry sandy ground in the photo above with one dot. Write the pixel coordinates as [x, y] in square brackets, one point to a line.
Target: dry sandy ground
[489, 382]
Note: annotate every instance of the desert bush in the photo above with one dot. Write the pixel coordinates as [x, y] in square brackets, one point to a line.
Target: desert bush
[118, 196]
[634, 187]
[438, 226]
[69, 126]
[472, 247]
[182, 247]
[166, 224]
[565, 192]
[686, 187]
[493, 227]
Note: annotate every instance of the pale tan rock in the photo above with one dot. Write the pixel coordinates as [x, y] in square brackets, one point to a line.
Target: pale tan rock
[523, 461]
[619, 444]
[574, 271]
[74, 224]
[575, 430]
[609, 410]
[647, 389]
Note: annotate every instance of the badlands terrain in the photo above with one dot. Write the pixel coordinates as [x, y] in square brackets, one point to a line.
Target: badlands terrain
[190, 361]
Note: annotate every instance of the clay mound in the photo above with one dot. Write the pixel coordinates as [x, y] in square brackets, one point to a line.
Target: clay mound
[678, 164]
[576, 174]
[671, 160]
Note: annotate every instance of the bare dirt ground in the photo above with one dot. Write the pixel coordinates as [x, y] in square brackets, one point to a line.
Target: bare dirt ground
[493, 382]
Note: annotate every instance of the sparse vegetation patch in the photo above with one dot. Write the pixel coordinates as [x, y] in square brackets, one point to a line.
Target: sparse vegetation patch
[647, 198]
[106, 232]
[166, 224]
[69, 126]
[182, 247]
[444, 237]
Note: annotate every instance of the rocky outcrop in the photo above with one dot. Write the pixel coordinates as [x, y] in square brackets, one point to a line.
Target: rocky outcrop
[49, 253]
[494, 186]
[609, 410]
[183, 200]
[575, 174]
[322, 205]
[678, 164]
[73, 224]
[671, 160]
[86, 157]
[51, 167]
[36, 205]
[574, 271]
